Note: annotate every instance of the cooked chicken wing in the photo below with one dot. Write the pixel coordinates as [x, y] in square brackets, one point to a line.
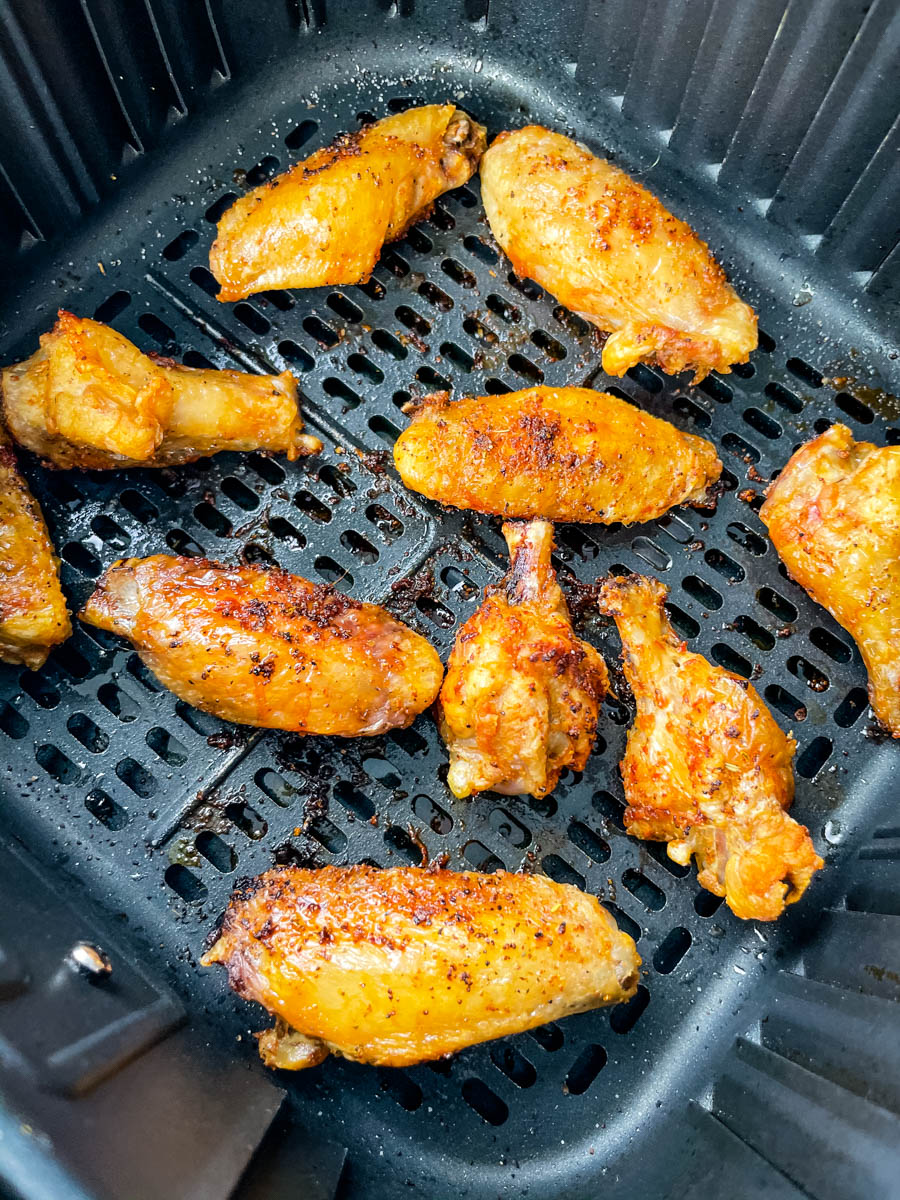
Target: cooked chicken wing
[834, 517]
[267, 648]
[607, 248]
[89, 398]
[326, 220]
[522, 693]
[566, 454]
[706, 767]
[401, 966]
[33, 614]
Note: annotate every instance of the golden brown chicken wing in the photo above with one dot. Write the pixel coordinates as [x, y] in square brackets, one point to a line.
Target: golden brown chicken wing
[607, 248]
[706, 768]
[522, 693]
[89, 398]
[401, 966]
[33, 614]
[267, 648]
[326, 220]
[566, 454]
[834, 517]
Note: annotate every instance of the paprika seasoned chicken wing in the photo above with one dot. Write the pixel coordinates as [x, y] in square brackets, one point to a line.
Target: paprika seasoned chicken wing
[267, 648]
[565, 454]
[326, 220]
[400, 966]
[33, 614]
[522, 693]
[606, 248]
[833, 515]
[706, 767]
[89, 398]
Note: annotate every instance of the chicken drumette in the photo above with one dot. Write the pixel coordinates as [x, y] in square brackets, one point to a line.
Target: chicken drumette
[607, 248]
[89, 398]
[267, 648]
[706, 768]
[326, 220]
[522, 693]
[834, 517]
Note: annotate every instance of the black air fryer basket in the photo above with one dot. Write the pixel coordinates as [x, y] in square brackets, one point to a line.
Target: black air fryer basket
[754, 1060]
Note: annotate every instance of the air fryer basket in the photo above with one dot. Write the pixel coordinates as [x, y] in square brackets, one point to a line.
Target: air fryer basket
[754, 1060]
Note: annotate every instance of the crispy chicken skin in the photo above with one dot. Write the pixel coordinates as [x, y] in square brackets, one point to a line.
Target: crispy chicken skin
[33, 614]
[833, 515]
[706, 767]
[267, 648]
[607, 248]
[400, 966]
[565, 454]
[89, 398]
[522, 693]
[325, 221]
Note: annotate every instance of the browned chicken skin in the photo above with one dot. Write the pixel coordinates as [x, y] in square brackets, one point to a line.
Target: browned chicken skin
[522, 693]
[834, 517]
[267, 648]
[565, 454]
[325, 221]
[706, 769]
[607, 248]
[33, 614]
[401, 966]
[89, 398]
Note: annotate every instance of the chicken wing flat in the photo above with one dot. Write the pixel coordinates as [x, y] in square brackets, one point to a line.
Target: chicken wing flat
[607, 248]
[33, 614]
[565, 454]
[325, 221]
[400, 966]
[706, 767]
[522, 693]
[834, 517]
[89, 398]
[267, 648]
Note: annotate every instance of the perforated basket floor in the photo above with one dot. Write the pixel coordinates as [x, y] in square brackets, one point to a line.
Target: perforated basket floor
[156, 809]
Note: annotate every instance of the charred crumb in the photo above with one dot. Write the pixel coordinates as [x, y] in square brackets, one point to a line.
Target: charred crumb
[710, 501]
[227, 739]
[877, 732]
[214, 934]
[415, 836]
[405, 592]
[307, 856]
[375, 461]
[754, 475]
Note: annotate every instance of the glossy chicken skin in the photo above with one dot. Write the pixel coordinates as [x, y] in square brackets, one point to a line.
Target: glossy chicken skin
[267, 648]
[607, 248]
[522, 693]
[33, 614]
[400, 966]
[565, 454]
[326, 220]
[706, 767]
[833, 515]
[89, 398]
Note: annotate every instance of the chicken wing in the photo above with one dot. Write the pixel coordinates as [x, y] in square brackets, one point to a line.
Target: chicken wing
[267, 648]
[566, 454]
[33, 614]
[400, 966]
[522, 693]
[607, 248]
[706, 767]
[834, 517]
[326, 220]
[89, 398]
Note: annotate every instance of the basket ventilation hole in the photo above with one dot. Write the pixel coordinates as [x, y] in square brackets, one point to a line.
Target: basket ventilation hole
[560, 871]
[702, 592]
[652, 897]
[481, 858]
[83, 729]
[105, 809]
[216, 851]
[513, 1065]
[585, 1069]
[185, 884]
[624, 1017]
[788, 705]
[432, 814]
[589, 842]
[112, 306]
[401, 1088]
[811, 760]
[486, 1103]
[671, 950]
[180, 245]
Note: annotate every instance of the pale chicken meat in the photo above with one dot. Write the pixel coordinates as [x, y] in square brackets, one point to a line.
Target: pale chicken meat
[706, 768]
[326, 220]
[33, 613]
[90, 398]
[565, 454]
[521, 696]
[400, 966]
[607, 249]
[833, 515]
[267, 648]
